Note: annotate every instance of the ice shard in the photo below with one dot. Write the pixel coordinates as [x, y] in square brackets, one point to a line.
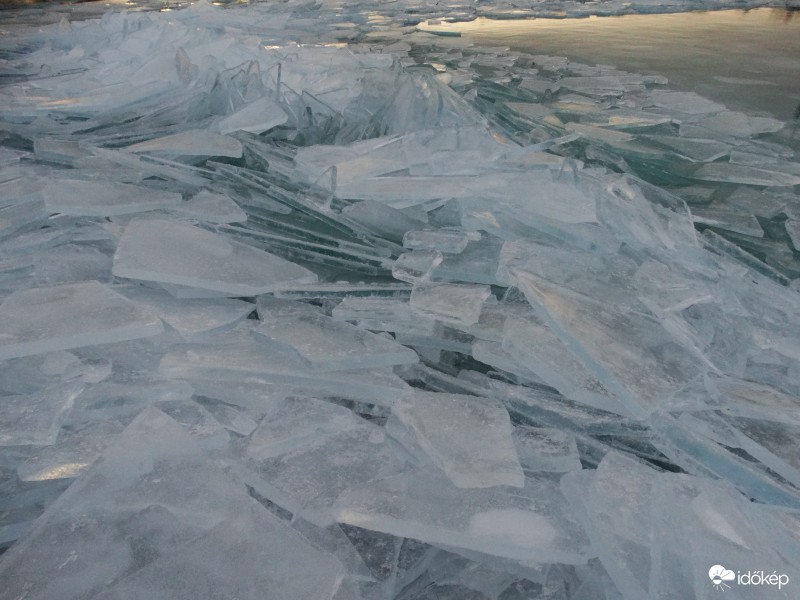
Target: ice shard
[70, 316]
[192, 143]
[172, 252]
[152, 491]
[531, 524]
[328, 345]
[100, 199]
[467, 437]
[310, 453]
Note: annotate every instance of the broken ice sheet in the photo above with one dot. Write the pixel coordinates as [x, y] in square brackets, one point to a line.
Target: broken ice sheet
[546, 450]
[456, 303]
[749, 399]
[416, 266]
[722, 218]
[245, 557]
[178, 253]
[384, 314]
[190, 317]
[631, 354]
[310, 453]
[196, 142]
[684, 102]
[651, 529]
[249, 361]
[535, 347]
[231, 417]
[104, 199]
[469, 438]
[774, 443]
[325, 344]
[529, 524]
[211, 207]
[67, 316]
[199, 423]
[443, 240]
[256, 117]
[73, 452]
[34, 419]
[731, 173]
[388, 222]
[152, 491]
[33, 373]
[696, 150]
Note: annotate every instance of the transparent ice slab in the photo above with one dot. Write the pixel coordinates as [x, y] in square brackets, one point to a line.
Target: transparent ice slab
[248, 361]
[545, 450]
[310, 453]
[70, 316]
[211, 207]
[34, 419]
[177, 253]
[257, 117]
[468, 438]
[197, 142]
[456, 303]
[651, 529]
[152, 491]
[74, 451]
[529, 524]
[325, 344]
[244, 556]
[102, 199]
[384, 314]
[631, 354]
[190, 317]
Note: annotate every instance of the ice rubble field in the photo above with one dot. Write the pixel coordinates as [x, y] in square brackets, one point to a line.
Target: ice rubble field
[402, 319]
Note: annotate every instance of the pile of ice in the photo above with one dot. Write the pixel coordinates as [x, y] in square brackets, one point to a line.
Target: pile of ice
[402, 319]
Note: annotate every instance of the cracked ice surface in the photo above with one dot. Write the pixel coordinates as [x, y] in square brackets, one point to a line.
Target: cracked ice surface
[396, 318]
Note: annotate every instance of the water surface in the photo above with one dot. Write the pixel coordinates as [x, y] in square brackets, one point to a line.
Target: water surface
[747, 59]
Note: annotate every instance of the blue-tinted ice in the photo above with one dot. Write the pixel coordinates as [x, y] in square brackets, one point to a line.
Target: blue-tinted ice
[324, 304]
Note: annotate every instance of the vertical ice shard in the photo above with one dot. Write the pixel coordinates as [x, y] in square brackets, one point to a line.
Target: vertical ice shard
[257, 117]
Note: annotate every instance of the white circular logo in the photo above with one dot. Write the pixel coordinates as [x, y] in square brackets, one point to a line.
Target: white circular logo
[719, 575]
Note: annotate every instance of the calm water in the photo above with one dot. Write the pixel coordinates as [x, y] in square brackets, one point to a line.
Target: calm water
[748, 60]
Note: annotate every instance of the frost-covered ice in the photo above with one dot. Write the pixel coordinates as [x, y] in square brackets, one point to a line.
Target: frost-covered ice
[314, 304]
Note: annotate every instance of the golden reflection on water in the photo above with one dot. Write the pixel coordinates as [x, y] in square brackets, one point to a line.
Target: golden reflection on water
[638, 22]
[746, 59]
